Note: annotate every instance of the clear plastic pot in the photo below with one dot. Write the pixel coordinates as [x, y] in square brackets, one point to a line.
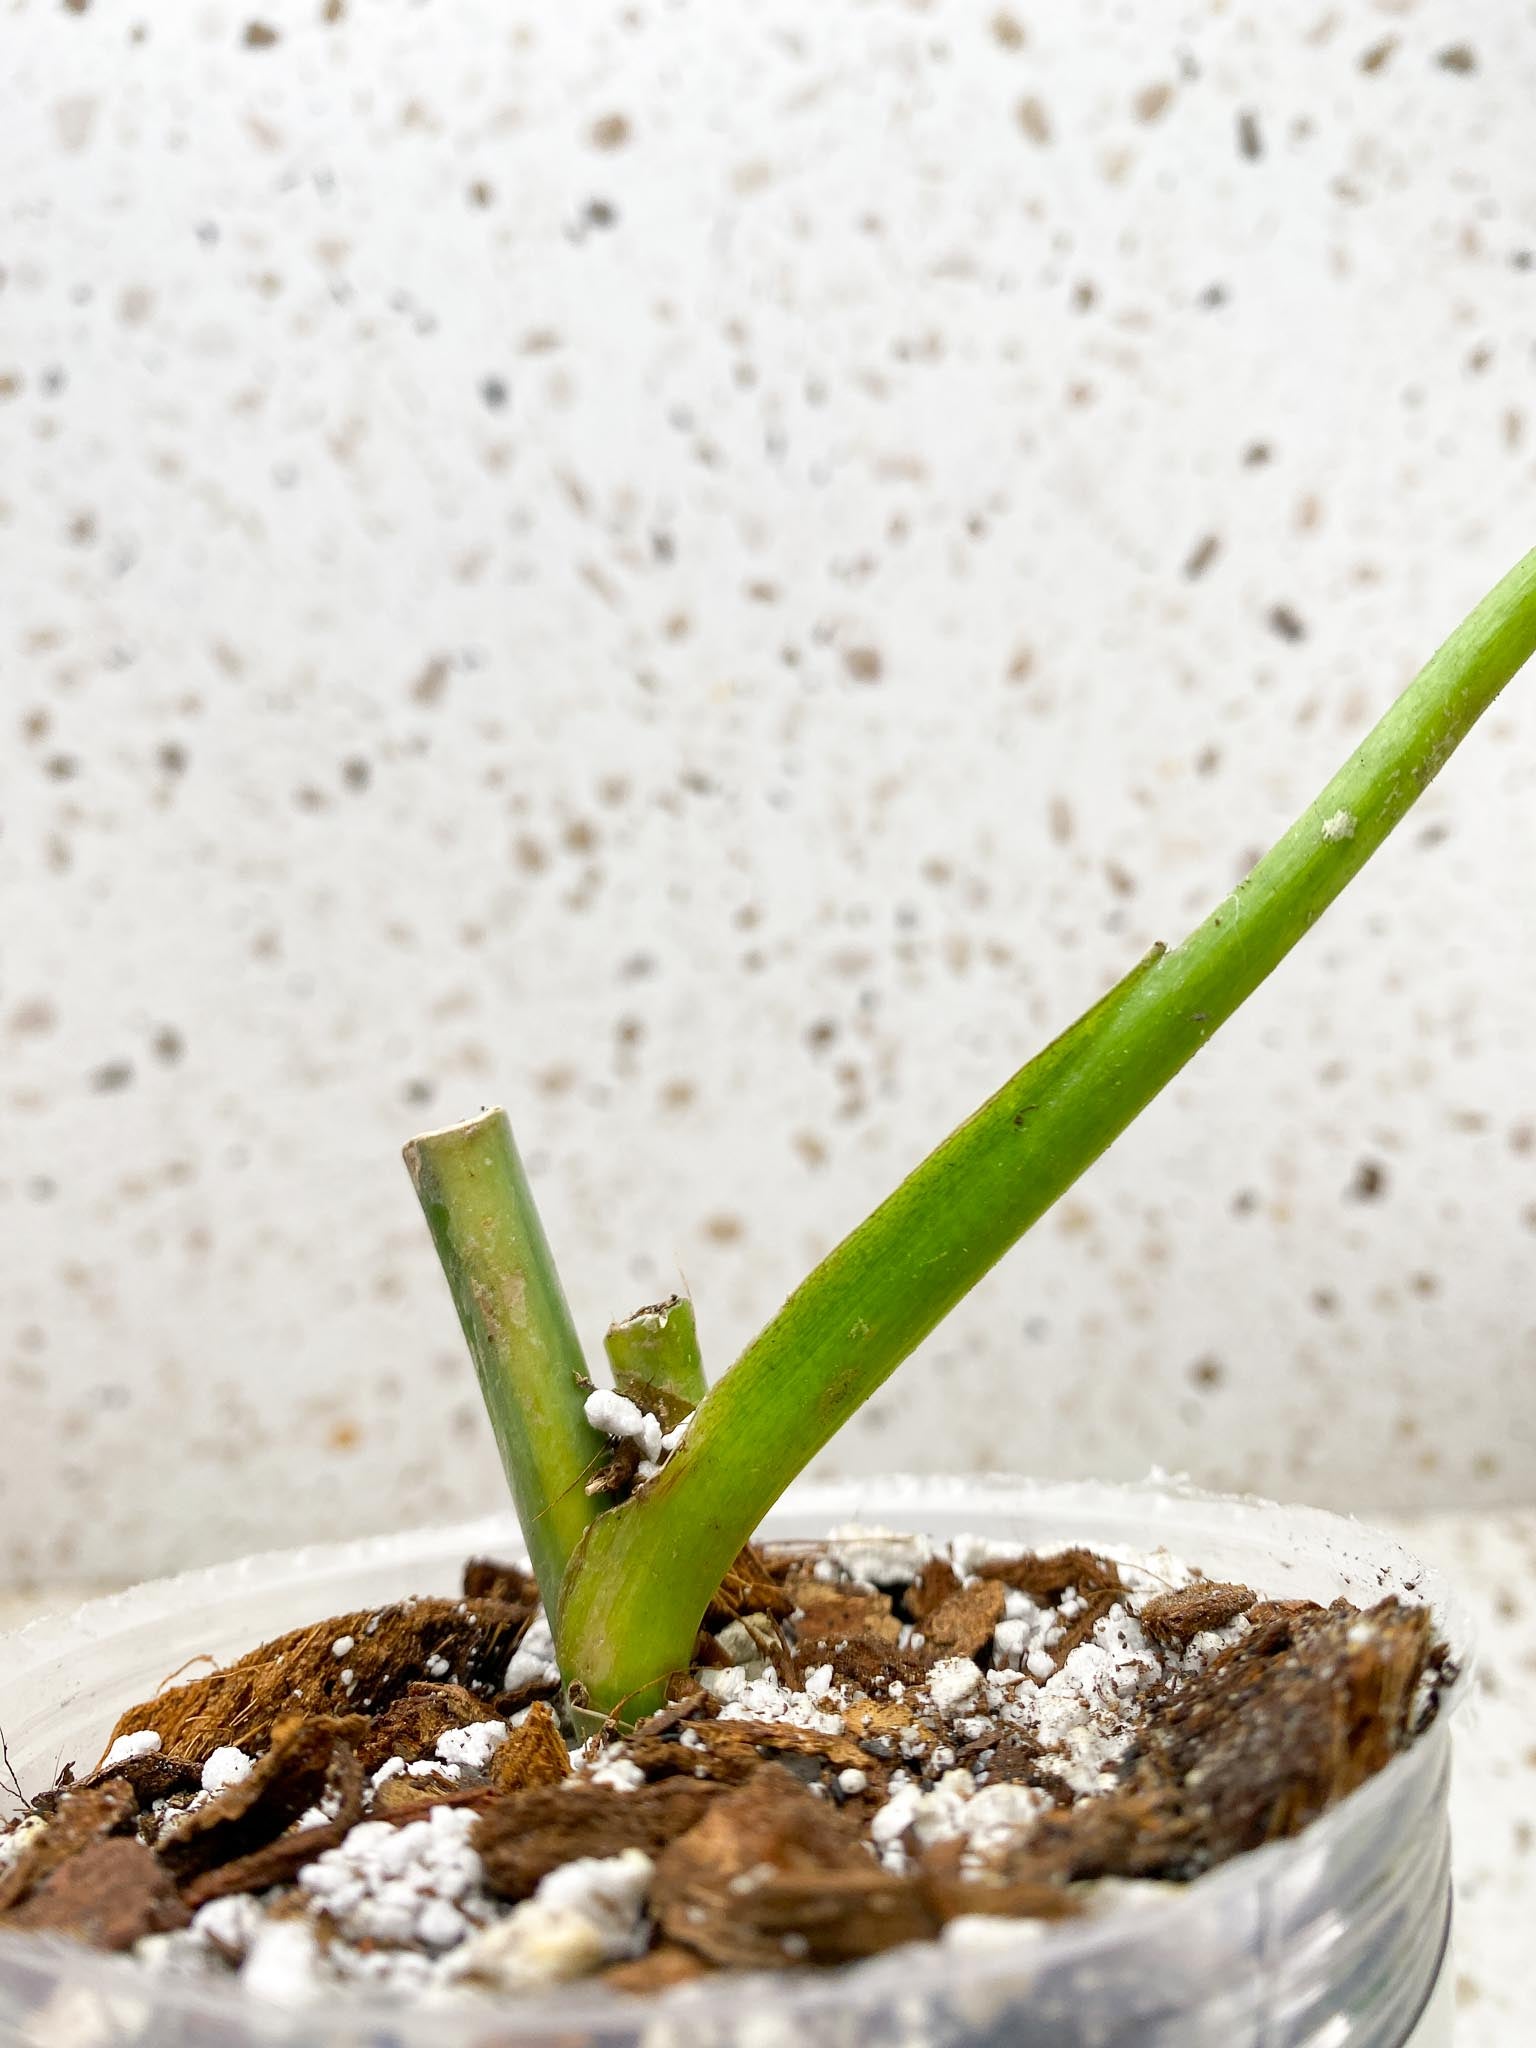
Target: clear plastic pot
[1333, 1940]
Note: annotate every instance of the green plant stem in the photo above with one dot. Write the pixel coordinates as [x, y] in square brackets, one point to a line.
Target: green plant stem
[658, 1348]
[645, 1571]
[472, 1187]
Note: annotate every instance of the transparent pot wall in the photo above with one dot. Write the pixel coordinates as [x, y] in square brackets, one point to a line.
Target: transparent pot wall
[1335, 1939]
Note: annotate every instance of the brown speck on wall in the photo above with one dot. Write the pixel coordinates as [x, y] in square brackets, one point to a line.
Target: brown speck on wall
[1034, 120]
[1201, 556]
[1370, 1181]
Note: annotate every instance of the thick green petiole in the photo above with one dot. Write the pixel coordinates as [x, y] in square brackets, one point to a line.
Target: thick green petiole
[532, 1375]
[656, 1350]
[645, 1571]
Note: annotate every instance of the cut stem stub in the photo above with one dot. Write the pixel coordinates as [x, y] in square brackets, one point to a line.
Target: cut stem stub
[655, 1353]
[481, 1213]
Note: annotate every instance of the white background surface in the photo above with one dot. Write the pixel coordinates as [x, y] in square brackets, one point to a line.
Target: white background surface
[694, 638]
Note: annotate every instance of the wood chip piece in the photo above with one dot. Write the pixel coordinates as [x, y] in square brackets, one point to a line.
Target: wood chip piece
[1261, 1742]
[534, 1753]
[1096, 1605]
[730, 1752]
[1140, 1832]
[507, 1704]
[1045, 1579]
[85, 1814]
[154, 1777]
[1015, 1760]
[659, 1969]
[886, 1724]
[834, 1613]
[937, 1582]
[485, 1578]
[522, 1836]
[1281, 1726]
[951, 1896]
[1177, 1618]
[110, 1895]
[411, 1726]
[278, 1863]
[469, 1642]
[406, 1798]
[865, 1664]
[962, 1625]
[1263, 1611]
[749, 1587]
[772, 1877]
[692, 1703]
[282, 1785]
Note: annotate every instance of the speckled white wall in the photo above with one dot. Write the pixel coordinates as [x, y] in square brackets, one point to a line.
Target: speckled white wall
[714, 574]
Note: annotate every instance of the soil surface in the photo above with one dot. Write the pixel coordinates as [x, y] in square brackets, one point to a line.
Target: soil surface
[880, 1737]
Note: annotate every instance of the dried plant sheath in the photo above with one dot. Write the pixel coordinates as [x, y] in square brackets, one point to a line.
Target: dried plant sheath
[474, 1192]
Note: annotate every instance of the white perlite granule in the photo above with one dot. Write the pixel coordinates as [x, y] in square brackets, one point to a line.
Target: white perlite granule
[229, 1924]
[127, 1747]
[224, 1768]
[221, 1933]
[396, 1767]
[1082, 1715]
[533, 1661]
[981, 1934]
[474, 1746]
[988, 1818]
[616, 1417]
[586, 1913]
[737, 1642]
[283, 1965]
[952, 1682]
[25, 1831]
[613, 1769]
[765, 1699]
[416, 1882]
[1147, 1573]
[649, 1467]
[880, 1557]
[1209, 1643]
[968, 1553]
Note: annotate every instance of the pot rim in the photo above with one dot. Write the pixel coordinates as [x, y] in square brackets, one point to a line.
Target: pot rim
[571, 2007]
